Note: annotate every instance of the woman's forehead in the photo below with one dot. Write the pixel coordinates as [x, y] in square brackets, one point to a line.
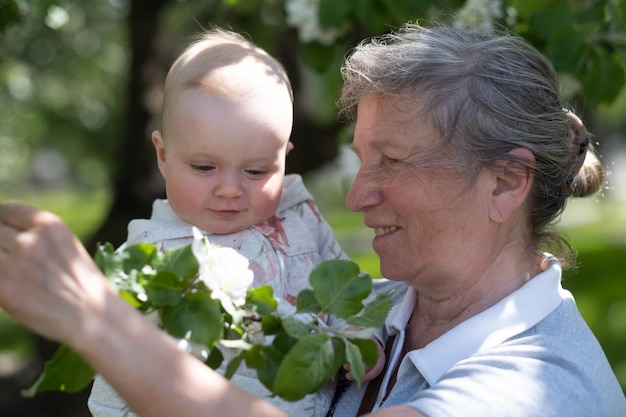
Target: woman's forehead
[390, 122]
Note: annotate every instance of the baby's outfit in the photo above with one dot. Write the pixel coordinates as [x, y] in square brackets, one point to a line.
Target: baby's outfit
[282, 252]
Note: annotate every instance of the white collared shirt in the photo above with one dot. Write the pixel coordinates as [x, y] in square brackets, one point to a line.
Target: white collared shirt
[514, 314]
[529, 355]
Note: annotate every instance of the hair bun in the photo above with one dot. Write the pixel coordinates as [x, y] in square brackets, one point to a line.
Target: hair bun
[585, 174]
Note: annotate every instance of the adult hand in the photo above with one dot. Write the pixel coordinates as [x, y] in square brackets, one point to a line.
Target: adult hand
[48, 281]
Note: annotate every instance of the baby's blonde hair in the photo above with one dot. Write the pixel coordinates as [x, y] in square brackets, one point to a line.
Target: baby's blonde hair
[203, 58]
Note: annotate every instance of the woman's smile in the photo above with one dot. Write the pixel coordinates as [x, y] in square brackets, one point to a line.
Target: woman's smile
[381, 231]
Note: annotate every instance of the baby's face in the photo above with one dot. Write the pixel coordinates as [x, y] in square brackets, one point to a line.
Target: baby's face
[223, 160]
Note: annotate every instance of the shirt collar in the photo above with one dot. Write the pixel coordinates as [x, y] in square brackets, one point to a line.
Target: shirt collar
[513, 315]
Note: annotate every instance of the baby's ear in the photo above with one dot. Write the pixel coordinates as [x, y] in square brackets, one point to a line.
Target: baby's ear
[289, 147]
[159, 147]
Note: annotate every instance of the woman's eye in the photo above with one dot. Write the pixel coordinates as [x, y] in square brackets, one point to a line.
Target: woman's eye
[390, 160]
[203, 168]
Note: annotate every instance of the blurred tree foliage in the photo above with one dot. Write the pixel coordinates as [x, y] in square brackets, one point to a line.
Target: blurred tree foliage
[83, 78]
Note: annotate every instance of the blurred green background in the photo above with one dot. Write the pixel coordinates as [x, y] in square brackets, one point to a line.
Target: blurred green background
[81, 87]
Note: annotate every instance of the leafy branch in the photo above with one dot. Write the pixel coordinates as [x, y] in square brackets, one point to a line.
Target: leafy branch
[194, 294]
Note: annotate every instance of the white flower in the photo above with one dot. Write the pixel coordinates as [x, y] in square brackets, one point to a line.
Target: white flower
[303, 14]
[255, 333]
[224, 271]
[479, 14]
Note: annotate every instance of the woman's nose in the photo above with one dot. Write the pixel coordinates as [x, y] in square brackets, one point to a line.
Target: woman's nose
[363, 193]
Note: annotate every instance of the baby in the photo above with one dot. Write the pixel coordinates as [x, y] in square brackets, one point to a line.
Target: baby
[226, 121]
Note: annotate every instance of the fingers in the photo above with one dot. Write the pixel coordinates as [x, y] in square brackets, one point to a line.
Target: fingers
[48, 281]
[373, 371]
[349, 376]
[7, 238]
[23, 217]
[22, 226]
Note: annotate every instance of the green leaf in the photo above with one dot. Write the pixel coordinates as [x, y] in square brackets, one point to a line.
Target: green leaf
[10, 14]
[263, 299]
[594, 12]
[180, 261]
[307, 303]
[295, 328]
[554, 16]
[604, 80]
[318, 56]
[215, 358]
[265, 360]
[367, 348]
[198, 319]
[374, 313]
[620, 9]
[339, 288]
[339, 348]
[66, 372]
[131, 299]
[166, 288]
[254, 357]
[122, 267]
[373, 15]
[529, 6]
[400, 12]
[111, 264]
[306, 368]
[333, 13]
[565, 47]
[231, 332]
[105, 255]
[271, 325]
[232, 366]
[355, 360]
[283, 342]
[135, 257]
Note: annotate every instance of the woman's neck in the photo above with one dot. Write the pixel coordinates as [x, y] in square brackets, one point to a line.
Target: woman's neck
[436, 314]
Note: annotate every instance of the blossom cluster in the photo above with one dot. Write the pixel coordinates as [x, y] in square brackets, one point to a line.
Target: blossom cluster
[303, 14]
[479, 14]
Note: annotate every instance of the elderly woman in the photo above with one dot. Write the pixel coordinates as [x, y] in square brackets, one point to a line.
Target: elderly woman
[467, 158]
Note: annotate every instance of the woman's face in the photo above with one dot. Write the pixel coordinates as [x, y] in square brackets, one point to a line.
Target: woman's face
[430, 221]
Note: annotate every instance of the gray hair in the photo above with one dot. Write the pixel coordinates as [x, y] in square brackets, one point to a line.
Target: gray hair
[487, 94]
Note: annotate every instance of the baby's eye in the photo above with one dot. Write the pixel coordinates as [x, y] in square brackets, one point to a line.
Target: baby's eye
[256, 172]
[203, 168]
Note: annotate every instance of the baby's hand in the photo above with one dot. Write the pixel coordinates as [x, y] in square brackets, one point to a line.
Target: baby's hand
[373, 371]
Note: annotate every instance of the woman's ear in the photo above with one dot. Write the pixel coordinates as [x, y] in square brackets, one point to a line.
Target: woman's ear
[513, 181]
[289, 147]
